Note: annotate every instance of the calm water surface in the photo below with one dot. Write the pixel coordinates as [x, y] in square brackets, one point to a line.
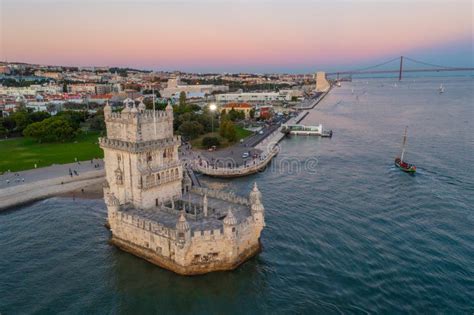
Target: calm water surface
[346, 232]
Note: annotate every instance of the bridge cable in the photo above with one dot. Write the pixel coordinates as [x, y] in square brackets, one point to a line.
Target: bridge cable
[428, 64]
[378, 65]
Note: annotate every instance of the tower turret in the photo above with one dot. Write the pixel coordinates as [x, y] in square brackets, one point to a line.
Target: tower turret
[256, 206]
[107, 110]
[229, 225]
[183, 230]
[255, 193]
[113, 206]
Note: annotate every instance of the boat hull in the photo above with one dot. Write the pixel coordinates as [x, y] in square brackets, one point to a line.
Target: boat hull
[404, 166]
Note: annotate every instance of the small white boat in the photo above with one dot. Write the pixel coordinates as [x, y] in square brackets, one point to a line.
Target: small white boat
[441, 89]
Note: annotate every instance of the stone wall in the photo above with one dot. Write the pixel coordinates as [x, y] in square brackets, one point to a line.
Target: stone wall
[142, 167]
[139, 126]
[197, 251]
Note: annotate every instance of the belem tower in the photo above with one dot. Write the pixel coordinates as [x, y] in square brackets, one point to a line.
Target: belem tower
[155, 212]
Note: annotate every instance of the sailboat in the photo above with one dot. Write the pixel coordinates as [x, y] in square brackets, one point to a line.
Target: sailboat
[400, 163]
[441, 89]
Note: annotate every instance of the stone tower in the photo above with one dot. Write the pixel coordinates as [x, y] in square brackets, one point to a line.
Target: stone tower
[322, 85]
[156, 213]
[141, 155]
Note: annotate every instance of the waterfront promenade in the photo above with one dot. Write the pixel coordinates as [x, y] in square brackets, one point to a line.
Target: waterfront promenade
[268, 148]
[313, 101]
[27, 186]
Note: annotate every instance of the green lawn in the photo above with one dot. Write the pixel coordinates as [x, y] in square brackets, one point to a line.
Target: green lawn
[241, 134]
[22, 153]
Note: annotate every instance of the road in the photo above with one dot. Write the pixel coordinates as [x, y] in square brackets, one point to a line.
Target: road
[232, 156]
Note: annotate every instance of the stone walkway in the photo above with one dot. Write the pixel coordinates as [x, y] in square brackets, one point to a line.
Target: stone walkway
[10, 179]
[31, 185]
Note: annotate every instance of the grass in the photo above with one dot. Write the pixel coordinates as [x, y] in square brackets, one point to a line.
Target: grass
[22, 153]
[241, 134]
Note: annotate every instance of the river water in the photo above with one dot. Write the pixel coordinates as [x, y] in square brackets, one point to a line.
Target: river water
[346, 231]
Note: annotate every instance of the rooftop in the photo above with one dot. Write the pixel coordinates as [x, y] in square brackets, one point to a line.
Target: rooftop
[217, 210]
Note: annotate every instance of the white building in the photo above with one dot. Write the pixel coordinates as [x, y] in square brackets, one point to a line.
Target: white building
[253, 97]
[175, 86]
[30, 90]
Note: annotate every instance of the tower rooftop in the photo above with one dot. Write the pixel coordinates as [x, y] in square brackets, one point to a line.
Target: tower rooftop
[218, 209]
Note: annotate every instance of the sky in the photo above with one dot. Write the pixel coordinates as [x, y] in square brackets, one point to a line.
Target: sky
[294, 36]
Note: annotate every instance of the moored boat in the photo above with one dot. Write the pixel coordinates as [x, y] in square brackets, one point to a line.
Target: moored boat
[302, 130]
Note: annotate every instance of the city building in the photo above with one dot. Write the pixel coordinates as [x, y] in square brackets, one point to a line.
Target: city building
[264, 112]
[252, 97]
[81, 88]
[175, 86]
[240, 107]
[103, 88]
[154, 210]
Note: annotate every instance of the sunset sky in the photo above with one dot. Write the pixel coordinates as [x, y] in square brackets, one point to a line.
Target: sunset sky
[231, 35]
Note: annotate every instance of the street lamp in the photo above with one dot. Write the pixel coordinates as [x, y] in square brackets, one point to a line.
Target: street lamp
[212, 108]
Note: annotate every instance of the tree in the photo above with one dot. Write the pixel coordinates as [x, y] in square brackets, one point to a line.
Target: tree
[227, 129]
[236, 115]
[223, 128]
[231, 133]
[38, 116]
[21, 119]
[75, 118]
[50, 108]
[3, 131]
[149, 104]
[51, 129]
[191, 129]
[182, 99]
[8, 123]
[208, 142]
[252, 113]
[97, 122]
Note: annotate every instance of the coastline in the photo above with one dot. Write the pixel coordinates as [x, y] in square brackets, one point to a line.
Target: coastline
[64, 186]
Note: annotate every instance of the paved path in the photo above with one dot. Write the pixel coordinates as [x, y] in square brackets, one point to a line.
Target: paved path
[10, 179]
[31, 185]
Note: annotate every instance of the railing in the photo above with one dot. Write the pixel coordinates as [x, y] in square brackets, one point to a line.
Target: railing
[236, 171]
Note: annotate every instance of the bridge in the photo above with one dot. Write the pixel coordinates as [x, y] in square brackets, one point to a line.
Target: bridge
[400, 70]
